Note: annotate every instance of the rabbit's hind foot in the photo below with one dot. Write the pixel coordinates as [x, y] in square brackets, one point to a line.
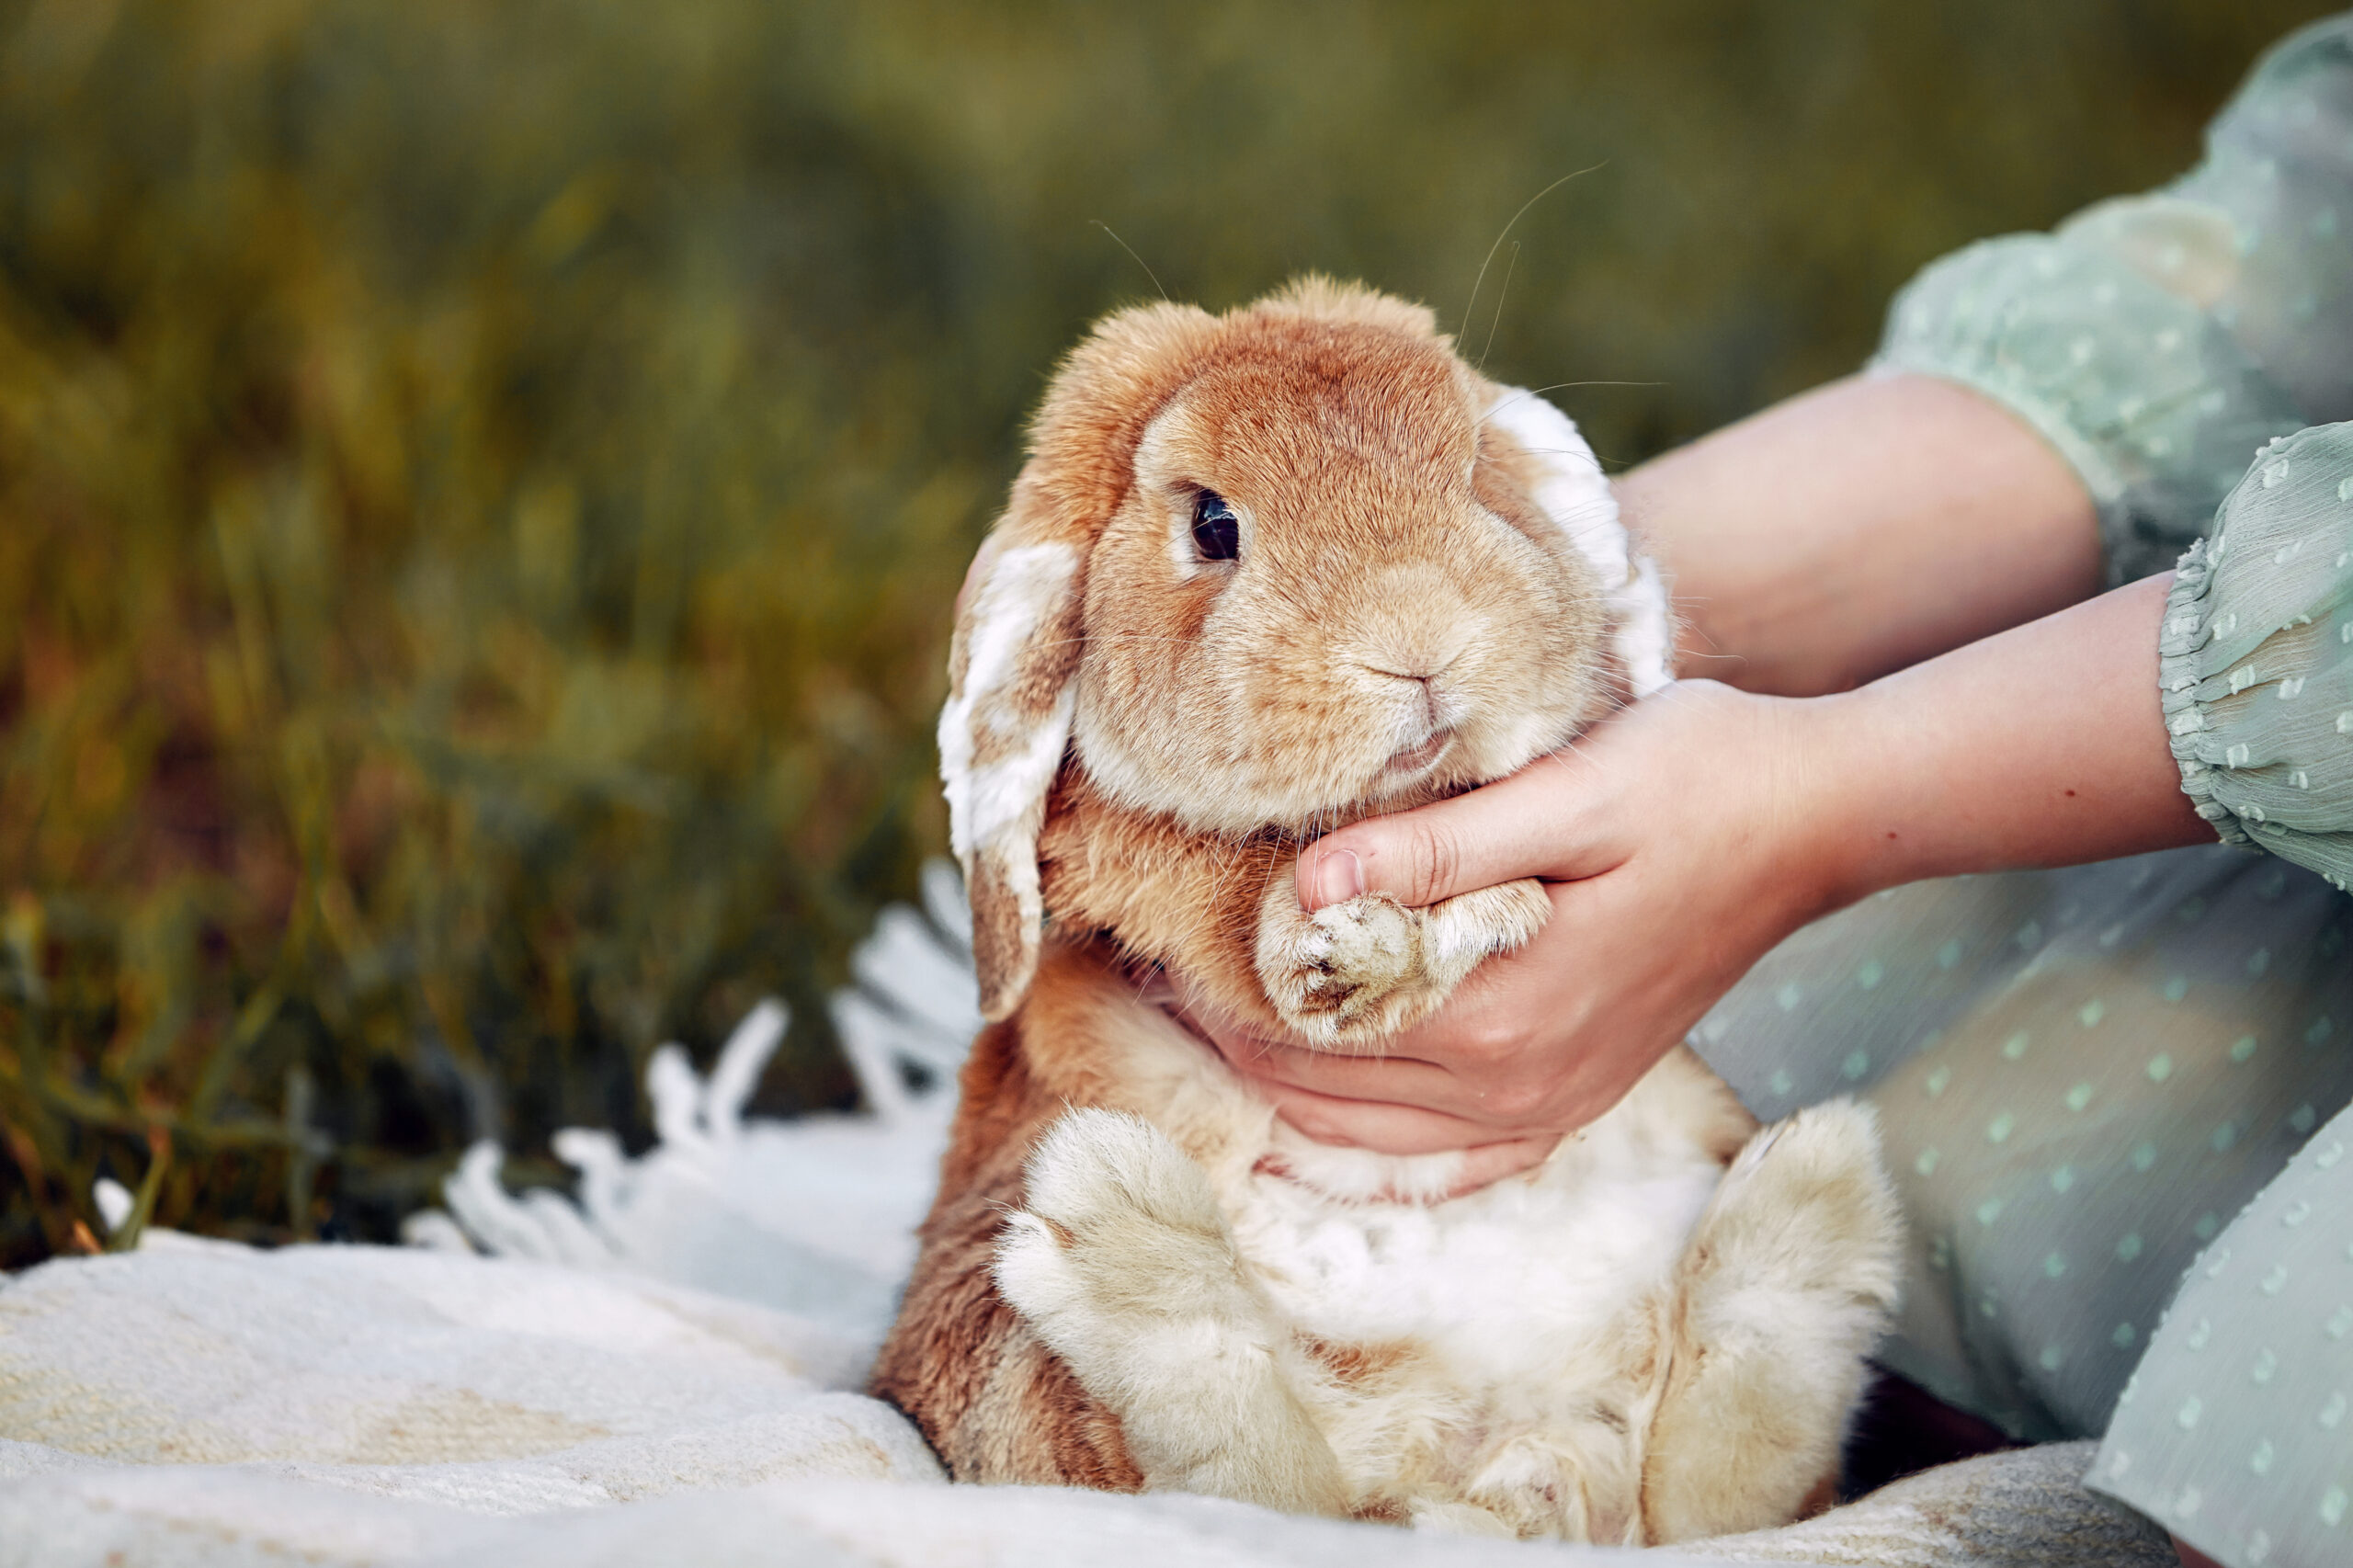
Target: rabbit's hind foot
[1787, 1280]
[1122, 1264]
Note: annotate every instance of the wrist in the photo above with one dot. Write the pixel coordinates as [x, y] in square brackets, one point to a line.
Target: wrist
[1870, 834]
[1840, 846]
[1770, 831]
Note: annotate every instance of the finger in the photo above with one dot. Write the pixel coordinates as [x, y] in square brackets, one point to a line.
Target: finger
[1483, 1165]
[1383, 1077]
[1370, 1125]
[1490, 1163]
[1511, 1002]
[1472, 1060]
[1525, 825]
[1501, 1097]
[1383, 1126]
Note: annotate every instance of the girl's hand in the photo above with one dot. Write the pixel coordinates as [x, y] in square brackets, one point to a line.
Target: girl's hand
[1690, 834]
[1682, 839]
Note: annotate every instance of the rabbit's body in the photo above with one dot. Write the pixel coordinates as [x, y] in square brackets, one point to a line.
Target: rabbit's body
[1191, 1298]
[1135, 1276]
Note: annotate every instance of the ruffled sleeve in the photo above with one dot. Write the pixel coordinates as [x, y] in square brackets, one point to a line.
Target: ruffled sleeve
[2158, 341]
[2278, 170]
[2147, 396]
[2257, 657]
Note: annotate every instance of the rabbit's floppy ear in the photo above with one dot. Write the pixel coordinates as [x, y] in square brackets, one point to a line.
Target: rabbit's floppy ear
[1576, 495]
[1012, 666]
[1003, 733]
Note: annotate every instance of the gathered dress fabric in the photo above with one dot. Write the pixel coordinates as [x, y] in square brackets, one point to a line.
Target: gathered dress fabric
[2115, 1096]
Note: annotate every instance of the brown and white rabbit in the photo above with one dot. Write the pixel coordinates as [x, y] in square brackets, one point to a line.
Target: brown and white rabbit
[1265, 574]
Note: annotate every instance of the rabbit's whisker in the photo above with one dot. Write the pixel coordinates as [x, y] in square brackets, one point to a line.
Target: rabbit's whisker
[1501, 295]
[1139, 261]
[1507, 230]
[1556, 386]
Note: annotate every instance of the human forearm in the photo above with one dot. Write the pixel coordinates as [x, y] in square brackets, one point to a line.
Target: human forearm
[2043, 745]
[1859, 529]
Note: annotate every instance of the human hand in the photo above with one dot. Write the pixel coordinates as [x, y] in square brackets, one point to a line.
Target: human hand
[1681, 839]
[1687, 835]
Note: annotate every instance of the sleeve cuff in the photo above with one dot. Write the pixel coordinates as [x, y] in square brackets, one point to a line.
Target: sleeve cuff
[2255, 657]
[2187, 616]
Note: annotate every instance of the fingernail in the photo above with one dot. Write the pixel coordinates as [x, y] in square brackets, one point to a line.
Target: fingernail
[1338, 876]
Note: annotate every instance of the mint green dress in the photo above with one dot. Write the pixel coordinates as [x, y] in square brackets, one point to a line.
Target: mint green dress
[2115, 1096]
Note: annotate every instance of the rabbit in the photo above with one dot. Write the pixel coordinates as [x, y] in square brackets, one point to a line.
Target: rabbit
[1264, 574]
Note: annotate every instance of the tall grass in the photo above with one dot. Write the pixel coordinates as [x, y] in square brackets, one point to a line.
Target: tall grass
[480, 480]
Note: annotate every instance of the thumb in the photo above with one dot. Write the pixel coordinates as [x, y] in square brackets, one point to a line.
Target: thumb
[1521, 827]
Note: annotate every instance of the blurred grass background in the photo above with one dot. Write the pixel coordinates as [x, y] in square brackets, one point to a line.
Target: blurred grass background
[482, 481]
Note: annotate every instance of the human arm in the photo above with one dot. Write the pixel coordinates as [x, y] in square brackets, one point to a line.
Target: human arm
[1686, 838]
[1857, 528]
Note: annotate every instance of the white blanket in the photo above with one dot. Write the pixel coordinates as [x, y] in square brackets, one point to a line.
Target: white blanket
[665, 1370]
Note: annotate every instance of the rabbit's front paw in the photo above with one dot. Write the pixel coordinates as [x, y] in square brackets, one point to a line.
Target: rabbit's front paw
[1333, 973]
[1460, 931]
[1368, 966]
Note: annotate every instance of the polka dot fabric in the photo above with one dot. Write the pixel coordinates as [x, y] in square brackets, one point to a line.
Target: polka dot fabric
[2237, 1428]
[2114, 1087]
[2081, 1076]
[2151, 400]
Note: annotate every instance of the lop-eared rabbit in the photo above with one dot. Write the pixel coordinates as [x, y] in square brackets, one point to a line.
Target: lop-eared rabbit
[1266, 574]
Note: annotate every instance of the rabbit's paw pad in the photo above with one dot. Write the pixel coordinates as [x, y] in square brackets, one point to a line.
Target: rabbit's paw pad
[1343, 959]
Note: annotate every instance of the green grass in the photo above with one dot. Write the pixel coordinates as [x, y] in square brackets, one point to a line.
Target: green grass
[480, 482]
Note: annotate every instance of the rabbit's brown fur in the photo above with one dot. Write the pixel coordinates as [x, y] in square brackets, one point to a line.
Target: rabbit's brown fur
[1133, 1276]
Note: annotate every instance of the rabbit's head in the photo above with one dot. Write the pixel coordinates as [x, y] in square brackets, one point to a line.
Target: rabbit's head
[1269, 569]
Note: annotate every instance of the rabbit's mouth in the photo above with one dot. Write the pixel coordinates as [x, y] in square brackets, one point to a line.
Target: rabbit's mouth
[1418, 757]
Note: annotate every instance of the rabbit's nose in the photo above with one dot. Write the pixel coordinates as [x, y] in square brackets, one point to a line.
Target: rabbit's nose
[1432, 708]
[1415, 660]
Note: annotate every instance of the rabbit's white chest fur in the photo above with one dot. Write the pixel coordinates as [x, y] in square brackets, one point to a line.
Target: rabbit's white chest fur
[1490, 1362]
[1491, 1279]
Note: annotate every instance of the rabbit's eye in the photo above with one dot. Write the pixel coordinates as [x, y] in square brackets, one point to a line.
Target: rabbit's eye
[1217, 532]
